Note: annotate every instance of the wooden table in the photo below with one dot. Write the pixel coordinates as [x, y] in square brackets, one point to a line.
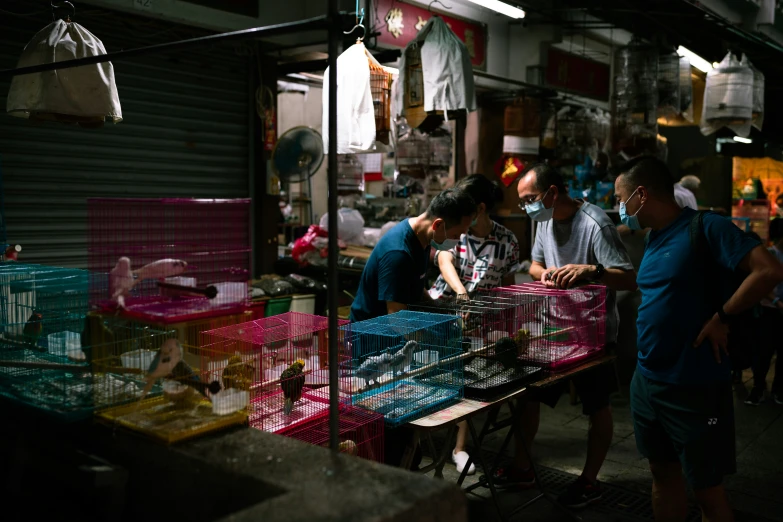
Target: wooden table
[466, 410]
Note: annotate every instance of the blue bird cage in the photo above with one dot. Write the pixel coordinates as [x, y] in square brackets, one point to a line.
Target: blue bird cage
[406, 365]
[495, 337]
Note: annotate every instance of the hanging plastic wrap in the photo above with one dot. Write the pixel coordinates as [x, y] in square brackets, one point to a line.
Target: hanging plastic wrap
[85, 95]
[758, 94]
[636, 98]
[686, 89]
[669, 85]
[435, 75]
[728, 98]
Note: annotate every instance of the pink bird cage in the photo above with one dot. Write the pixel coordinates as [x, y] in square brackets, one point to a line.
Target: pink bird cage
[169, 260]
[266, 349]
[361, 432]
[568, 328]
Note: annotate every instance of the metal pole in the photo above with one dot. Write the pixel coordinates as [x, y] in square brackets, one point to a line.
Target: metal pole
[311, 24]
[331, 271]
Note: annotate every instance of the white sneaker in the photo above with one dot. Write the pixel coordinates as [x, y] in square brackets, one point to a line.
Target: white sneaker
[460, 459]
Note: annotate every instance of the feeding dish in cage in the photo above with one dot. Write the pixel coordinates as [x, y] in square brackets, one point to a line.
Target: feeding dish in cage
[229, 401]
[64, 343]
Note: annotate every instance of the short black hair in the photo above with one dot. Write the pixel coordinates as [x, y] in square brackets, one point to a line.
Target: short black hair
[547, 176]
[776, 230]
[452, 206]
[482, 190]
[649, 172]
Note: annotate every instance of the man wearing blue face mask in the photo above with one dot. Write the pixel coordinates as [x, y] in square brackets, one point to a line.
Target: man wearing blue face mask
[576, 242]
[681, 395]
[395, 274]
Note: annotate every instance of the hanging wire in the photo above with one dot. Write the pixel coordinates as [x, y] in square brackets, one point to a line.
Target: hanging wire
[429, 7]
[57, 7]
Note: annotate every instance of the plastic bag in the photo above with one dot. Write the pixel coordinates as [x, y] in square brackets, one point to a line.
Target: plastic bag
[758, 94]
[350, 225]
[686, 89]
[305, 283]
[85, 95]
[728, 98]
[274, 285]
[312, 241]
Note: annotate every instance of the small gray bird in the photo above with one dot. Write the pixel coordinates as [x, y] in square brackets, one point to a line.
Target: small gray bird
[403, 357]
[373, 367]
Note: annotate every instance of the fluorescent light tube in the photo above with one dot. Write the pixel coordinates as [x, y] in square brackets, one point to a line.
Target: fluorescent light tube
[740, 139]
[501, 7]
[696, 60]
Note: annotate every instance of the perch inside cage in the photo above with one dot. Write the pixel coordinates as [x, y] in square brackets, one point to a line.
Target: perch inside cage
[169, 259]
[288, 354]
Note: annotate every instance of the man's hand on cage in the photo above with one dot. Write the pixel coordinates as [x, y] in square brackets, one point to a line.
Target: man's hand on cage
[568, 275]
[546, 278]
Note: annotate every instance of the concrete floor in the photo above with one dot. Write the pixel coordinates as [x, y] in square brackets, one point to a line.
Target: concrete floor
[755, 490]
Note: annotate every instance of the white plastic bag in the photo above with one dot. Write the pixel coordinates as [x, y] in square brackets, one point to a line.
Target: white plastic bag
[355, 111]
[758, 94]
[86, 95]
[350, 225]
[728, 98]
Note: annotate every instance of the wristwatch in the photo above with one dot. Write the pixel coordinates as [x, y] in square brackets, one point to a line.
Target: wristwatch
[722, 316]
[599, 271]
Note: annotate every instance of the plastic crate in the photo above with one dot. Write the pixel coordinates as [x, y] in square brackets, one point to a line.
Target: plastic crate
[277, 306]
[304, 304]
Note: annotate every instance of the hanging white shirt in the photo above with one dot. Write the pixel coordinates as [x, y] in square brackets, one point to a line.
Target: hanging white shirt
[685, 197]
[355, 112]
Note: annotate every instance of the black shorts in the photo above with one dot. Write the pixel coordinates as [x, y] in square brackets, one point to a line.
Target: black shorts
[594, 388]
[692, 425]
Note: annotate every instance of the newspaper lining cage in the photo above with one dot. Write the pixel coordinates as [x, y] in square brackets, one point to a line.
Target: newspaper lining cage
[569, 327]
[42, 310]
[169, 260]
[492, 329]
[282, 362]
[143, 382]
[361, 432]
[406, 365]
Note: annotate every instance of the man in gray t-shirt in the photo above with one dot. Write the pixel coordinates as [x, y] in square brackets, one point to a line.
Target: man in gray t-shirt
[575, 242]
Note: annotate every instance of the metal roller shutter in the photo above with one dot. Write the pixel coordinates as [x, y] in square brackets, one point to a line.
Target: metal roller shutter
[185, 134]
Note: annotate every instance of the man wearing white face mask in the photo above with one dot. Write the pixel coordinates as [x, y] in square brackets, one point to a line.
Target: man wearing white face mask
[575, 242]
[681, 395]
[395, 274]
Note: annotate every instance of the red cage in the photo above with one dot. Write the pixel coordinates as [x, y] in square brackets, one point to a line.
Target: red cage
[262, 352]
[361, 432]
[568, 327]
[169, 260]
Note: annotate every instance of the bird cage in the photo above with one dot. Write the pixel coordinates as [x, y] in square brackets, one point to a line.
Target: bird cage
[360, 431]
[41, 315]
[636, 97]
[143, 383]
[669, 85]
[493, 335]
[440, 142]
[169, 260]
[728, 97]
[380, 88]
[565, 327]
[283, 361]
[406, 365]
[413, 153]
[350, 174]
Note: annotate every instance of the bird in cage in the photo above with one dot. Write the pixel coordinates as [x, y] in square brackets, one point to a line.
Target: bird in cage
[95, 333]
[375, 366]
[292, 382]
[161, 269]
[522, 338]
[349, 447]
[33, 329]
[168, 356]
[238, 374]
[506, 352]
[184, 374]
[121, 281]
[403, 357]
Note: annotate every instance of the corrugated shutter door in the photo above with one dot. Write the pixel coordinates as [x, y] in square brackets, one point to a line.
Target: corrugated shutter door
[185, 134]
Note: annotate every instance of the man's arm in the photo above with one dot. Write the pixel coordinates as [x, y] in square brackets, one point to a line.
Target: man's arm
[449, 272]
[536, 270]
[764, 273]
[393, 307]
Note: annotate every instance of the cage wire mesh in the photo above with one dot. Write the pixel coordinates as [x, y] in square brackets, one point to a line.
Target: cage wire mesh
[42, 310]
[282, 361]
[380, 87]
[492, 329]
[3, 233]
[406, 365]
[361, 432]
[669, 105]
[636, 97]
[143, 383]
[169, 260]
[565, 327]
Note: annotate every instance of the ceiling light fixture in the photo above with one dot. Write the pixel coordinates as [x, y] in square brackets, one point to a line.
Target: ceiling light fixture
[501, 7]
[740, 139]
[696, 60]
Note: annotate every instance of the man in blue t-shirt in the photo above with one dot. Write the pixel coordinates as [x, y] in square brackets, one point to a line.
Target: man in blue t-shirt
[681, 396]
[395, 275]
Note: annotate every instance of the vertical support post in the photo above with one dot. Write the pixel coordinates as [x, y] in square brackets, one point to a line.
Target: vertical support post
[332, 274]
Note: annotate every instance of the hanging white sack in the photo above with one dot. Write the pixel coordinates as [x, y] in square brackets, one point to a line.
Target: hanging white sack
[447, 74]
[355, 111]
[86, 95]
[728, 98]
[758, 94]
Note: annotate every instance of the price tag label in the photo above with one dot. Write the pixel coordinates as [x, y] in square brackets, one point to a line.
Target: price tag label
[142, 5]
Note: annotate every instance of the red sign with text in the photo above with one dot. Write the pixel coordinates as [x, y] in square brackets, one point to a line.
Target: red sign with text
[577, 74]
[400, 23]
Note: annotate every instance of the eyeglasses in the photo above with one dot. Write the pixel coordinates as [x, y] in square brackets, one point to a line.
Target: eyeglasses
[529, 200]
